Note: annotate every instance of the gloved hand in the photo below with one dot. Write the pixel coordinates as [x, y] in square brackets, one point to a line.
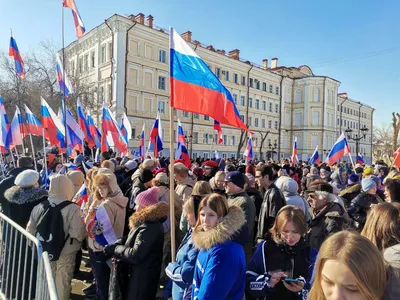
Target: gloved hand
[109, 249]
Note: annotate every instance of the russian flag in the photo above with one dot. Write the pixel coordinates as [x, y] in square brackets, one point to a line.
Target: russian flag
[126, 128]
[94, 132]
[360, 159]
[17, 128]
[339, 150]
[13, 52]
[81, 196]
[111, 130]
[62, 78]
[75, 135]
[181, 149]
[83, 123]
[294, 157]
[142, 150]
[195, 88]
[34, 126]
[248, 152]
[155, 142]
[5, 136]
[100, 228]
[314, 159]
[217, 127]
[55, 128]
[80, 28]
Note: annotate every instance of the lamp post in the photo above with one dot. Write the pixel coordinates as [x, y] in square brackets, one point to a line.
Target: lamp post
[356, 137]
[271, 152]
[326, 152]
[188, 139]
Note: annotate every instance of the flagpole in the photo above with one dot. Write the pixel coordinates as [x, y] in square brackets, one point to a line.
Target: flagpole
[172, 183]
[92, 154]
[63, 73]
[351, 159]
[44, 152]
[12, 157]
[2, 164]
[33, 151]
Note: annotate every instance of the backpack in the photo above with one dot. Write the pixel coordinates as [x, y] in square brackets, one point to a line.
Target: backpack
[50, 229]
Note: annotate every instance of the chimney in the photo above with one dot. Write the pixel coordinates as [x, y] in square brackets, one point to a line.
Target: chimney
[265, 64]
[234, 54]
[274, 63]
[140, 18]
[210, 48]
[150, 21]
[187, 36]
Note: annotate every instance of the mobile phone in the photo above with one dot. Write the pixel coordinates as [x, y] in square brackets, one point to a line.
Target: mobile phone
[292, 280]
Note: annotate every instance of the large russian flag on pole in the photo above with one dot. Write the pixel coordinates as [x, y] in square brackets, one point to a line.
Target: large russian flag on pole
[13, 52]
[315, 159]
[111, 129]
[5, 139]
[33, 124]
[195, 88]
[62, 78]
[126, 128]
[83, 123]
[75, 135]
[339, 150]
[17, 128]
[80, 28]
[155, 142]
[53, 125]
[248, 152]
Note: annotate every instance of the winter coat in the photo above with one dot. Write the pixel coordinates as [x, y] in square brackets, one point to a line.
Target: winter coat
[8, 182]
[164, 195]
[115, 207]
[220, 270]
[181, 271]
[296, 261]
[303, 184]
[255, 195]
[273, 201]
[338, 180]
[392, 291]
[296, 178]
[331, 219]
[359, 207]
[350, 193]
[140, 253]
[127, 182]
[392, 256]
[310, 178]
[21, 202]
[184, 189]
[243, 201]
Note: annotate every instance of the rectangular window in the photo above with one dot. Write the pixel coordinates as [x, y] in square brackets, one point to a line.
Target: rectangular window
[93, 59]
[109, 92]
[161, 107]
[277, 90]
[250, 121]
[80, 65]
[315, 118]
[250, 102]
[270, 124]
[234, 98]
[263, 123]
[270, 107]
[133, 132]
[161, 83]
[196, 116]
[277, 108]
[270, 88]
[251, 82]
[225, 138]
[162, 56]
[86, 62]
[103, 54]
[206, 118]
[205, 138]
[276, 125]
[264, 86]
[227, 75]
[257, 84]
[257, 104]
[217, 72]
[195, 138]
[298, 119]
[242, 100]
[185, 114]
[235, 78]
[264, 105]
[256, 122]
[243, 80]
[242, 118]
[233, 141]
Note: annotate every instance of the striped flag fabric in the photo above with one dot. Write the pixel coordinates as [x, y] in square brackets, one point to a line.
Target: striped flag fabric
[14, 53]
[217, 127]
[17, 129]
[181, 149]
[156, 143]
[126, 128]
[360, 159]
[54, 126]
[62, 78]
[315, 159]
[83, 124]
[79, 27]
[294, 158]
[142, 150]
[339, 150]
[248, 152]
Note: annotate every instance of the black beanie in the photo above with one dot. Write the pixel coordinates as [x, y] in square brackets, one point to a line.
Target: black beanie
[146, 176]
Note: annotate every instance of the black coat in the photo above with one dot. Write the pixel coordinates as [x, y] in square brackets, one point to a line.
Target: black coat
[141, 254]
[359, 207]
[8, 182]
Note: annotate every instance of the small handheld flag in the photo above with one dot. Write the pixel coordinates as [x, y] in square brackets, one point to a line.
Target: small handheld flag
[156, 143]
[126, 128]
[360, 159]
[294, 157]
[13, 52]
[217, 127]
[248, 153]
[181, 150]
[339, 150]
[142, 150]
[315, 157]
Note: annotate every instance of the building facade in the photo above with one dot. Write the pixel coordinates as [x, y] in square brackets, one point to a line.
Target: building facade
[126, 59]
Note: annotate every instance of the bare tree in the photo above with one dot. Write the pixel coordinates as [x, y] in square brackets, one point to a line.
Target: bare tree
[382, 143]
[396, 130]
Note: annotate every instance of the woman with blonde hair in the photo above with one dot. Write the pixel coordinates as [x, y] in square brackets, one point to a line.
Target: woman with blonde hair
[350, 267]
[281, 265]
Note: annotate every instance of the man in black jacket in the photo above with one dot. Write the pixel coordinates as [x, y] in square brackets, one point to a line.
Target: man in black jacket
[272, 203]
[23, 163]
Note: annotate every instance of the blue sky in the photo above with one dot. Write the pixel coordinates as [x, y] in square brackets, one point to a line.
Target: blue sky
[356, 42]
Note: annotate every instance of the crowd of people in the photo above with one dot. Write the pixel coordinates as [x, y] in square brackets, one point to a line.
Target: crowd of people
[243, 230]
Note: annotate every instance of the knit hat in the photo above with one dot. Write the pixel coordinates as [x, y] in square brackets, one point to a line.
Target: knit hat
[130, 165]
[147, 198]
[160, 170]
[251, 178]
[145, 176]
[236, 178]
[368, 171]
[162, 178]
[27, 178]
[148, 164]
[376, 179]
[210, 164]
[79, 159]
[230, 168]
[367, 184]
[353, 178]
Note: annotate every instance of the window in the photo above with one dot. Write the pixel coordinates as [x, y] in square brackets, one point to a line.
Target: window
[251, 82]
[257, 104]
[315, 118]
[276, 125]
[298, 96]
[162, 56]
[234, 98]
[270, 124]
[225, 139]
[227, 75]
[257, 84]
[264, 86]
[242, 118]
[233, 140]
[80, 64]
[93, 59]
[185, 114]
[109, 92]
[133, 132]
[206, 118]
[148, 52]
[250, 102]
[217, 72]
[243, 80]
[316, 94]
[235, 78]
[277, 108]
[195, 137]
[256, 122]
[264, 105]
[196, 116]
[161, 82]
[277, 90]
[270, 107]
[298, 119]
[103, 54]
[161, 107]
[86, 62]
[338, 121]
[263, 123]
[205, 138]
[73, 67]
[250, 121]
[242, 100]
[270, 88]
[110, 51]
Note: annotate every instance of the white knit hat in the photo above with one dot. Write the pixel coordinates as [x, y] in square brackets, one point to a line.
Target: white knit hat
[27, 178]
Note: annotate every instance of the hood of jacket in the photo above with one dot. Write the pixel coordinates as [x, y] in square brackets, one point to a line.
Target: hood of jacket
[188, 181]
[18, 195]
[287, 185]
[118, 198]
[392, 256]
[351, 189]
[157, 212]
[223, 232]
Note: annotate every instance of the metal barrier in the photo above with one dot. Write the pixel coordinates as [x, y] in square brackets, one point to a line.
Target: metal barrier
[25, 272]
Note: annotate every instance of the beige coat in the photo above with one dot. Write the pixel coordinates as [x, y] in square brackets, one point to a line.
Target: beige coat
[184, 188]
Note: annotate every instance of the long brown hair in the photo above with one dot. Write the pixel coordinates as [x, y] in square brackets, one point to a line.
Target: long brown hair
[383, 225]
[217, 203]
[288, 213]
[359, 255]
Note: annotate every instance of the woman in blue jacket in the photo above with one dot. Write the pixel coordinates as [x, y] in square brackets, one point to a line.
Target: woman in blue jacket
[181, 271]
[283, 256]
[220, 271]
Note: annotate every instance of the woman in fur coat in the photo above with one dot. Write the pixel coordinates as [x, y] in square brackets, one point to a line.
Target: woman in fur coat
[140, 253]
[221, 265]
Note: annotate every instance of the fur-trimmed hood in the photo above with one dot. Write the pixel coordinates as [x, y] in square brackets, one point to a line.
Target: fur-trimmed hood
[224, 231]
[18, 195]
[351, 189]
[156, 212]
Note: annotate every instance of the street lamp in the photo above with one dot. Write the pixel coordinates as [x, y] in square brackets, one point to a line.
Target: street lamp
[357, 138]
[326, 152]
[271, 152]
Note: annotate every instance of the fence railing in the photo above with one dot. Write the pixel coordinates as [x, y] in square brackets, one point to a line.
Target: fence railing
[25, 271]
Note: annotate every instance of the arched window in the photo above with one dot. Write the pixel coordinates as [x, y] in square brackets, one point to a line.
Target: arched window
[316, 94]
[298, 96]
